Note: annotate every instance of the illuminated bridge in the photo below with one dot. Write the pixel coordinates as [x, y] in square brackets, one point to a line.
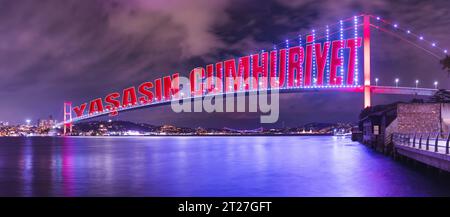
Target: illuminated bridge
[336, 57]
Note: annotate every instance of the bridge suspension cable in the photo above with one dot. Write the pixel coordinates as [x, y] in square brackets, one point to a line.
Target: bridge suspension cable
[394, 29]
[353, 23]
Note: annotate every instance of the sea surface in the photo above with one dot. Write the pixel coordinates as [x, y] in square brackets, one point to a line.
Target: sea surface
[207, 166]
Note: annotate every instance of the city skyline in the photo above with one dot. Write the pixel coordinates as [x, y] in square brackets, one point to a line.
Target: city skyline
[58, 70]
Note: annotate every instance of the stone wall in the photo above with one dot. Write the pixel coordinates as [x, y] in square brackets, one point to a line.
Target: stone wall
[445, 112]
[388, 145]
[419, 118]
[392, 128]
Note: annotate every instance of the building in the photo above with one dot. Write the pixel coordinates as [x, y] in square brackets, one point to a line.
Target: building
[169, 129]
[102, 130]
[373, 124]
[46, 124]
[377, 124]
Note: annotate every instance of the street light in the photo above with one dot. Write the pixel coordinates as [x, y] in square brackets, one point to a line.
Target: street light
[417, 83]
[396, 82]
[435, 85]
[28, 121]
[376, 81]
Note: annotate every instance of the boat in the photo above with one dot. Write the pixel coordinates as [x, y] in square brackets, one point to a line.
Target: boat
[342, 133]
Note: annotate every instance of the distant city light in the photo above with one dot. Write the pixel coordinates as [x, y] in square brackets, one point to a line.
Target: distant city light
[435, 85]
[313, 72]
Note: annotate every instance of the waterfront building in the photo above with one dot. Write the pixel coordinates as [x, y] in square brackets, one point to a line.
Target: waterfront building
[379, 123]
[169, 129]
[47, 123]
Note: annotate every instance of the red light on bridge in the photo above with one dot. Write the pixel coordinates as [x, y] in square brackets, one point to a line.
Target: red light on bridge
[67, 117]
[320, 63]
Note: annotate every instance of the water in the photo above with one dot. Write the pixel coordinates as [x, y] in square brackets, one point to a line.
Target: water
[206, 166]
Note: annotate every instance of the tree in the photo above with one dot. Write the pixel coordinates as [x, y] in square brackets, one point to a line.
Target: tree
[441, 96]
[446, 63]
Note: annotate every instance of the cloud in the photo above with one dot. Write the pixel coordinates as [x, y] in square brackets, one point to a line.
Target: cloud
[56, 50]
[196, 18]
[76, 39]
[78, 49]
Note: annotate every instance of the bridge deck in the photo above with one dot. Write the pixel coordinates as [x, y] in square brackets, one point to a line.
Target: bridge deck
[360, 89]
[403, 90]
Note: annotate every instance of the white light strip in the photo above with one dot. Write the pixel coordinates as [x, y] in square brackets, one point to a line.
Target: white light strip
[356, 78]
[341, 51]
[328, 59]
[287, 62]
[314, 74]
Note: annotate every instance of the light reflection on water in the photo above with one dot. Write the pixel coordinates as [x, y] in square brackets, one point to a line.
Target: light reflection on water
[206, 166]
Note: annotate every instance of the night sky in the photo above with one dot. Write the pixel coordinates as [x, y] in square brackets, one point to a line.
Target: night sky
[57, 50]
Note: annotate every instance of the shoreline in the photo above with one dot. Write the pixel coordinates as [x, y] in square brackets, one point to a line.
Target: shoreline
[175, 135]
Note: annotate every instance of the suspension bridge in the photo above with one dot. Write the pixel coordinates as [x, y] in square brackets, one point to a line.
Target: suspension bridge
[334, 58]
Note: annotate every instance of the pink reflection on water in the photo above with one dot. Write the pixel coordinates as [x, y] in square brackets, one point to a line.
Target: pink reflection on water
[26, 167]
[67, 167]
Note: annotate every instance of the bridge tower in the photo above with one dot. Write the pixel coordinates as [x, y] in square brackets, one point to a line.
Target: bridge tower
[67, 117]
[367, 89]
